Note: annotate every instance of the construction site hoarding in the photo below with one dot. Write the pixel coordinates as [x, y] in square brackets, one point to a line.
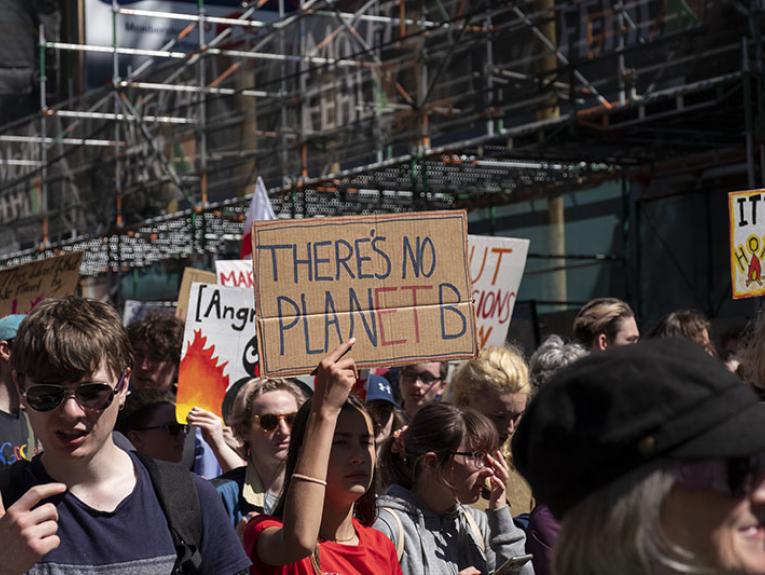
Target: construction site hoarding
[399, 284]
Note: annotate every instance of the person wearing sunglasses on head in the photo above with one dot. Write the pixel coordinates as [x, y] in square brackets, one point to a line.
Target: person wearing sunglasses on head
[148, 421]
[84, 505]
[263, 428]
[652, 457]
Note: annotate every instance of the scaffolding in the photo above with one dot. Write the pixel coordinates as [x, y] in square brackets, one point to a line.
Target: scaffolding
[373, 106]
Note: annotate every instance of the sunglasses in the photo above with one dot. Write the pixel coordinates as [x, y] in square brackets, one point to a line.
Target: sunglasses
[172, 428]
[426, 378]
[89, 395]
[735, 477]
[270, 421]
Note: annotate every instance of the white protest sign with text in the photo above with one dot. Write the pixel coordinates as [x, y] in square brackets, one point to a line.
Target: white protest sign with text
[219, 346]
[234, 273]
[496, 269]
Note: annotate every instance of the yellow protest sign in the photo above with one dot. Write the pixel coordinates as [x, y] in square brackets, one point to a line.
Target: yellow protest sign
[746, 213]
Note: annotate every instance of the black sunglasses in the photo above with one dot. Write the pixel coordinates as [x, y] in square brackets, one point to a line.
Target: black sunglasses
[92, 396]
[270, 421]
[172, 428]
[735, 477]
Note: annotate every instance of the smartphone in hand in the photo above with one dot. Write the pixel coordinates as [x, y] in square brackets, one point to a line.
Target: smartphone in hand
[512, 565]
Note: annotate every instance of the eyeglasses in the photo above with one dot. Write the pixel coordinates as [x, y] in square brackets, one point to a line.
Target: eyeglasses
[476, 458]
[172, 428]
[89, 395]
[735, 477]
[425, 377]
[270, 421]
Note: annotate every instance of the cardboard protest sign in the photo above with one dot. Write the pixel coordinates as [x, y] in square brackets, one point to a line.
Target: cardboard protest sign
[397, 283]
[22, 287]
[746, 212]
[234, 273]
[219, 346]
[496, 269]
[190, 275]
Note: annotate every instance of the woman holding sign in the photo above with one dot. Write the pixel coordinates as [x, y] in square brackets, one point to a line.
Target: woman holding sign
[321, 523]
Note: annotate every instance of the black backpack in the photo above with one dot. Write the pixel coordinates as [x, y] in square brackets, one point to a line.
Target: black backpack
[175, 491]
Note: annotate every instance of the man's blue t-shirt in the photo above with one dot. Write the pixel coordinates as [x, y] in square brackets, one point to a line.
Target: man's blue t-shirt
[135, 537]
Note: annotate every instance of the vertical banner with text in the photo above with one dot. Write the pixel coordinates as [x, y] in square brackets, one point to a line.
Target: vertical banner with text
[746, 214]
[398, 283]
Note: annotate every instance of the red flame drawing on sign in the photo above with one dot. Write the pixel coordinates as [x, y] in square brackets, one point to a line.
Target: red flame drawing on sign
[202, 381]
[755, 271]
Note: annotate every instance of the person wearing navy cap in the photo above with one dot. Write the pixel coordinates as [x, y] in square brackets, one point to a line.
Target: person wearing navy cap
[16, 437]
[383, 408]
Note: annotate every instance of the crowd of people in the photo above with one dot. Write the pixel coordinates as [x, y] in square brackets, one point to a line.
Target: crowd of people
[601, 455]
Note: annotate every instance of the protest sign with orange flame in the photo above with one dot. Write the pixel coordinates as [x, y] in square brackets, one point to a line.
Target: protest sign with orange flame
[219, 346]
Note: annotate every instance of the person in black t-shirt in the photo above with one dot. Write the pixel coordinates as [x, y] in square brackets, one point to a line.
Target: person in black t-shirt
[16, 437]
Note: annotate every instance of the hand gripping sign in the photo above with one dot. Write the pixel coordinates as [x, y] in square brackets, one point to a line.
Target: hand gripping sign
[398, 283]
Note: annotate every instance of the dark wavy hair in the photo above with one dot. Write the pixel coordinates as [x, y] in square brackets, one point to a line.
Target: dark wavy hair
[161, 332]
[439, 428]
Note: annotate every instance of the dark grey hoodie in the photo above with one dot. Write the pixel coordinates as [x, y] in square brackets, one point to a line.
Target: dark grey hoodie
[446, 544]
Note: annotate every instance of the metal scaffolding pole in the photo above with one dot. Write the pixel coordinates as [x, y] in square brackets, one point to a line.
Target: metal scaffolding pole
[43, 137]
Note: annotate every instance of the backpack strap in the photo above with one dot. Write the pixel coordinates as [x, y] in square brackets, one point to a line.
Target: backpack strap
[399, 532]
[477, 535]
[31, 439]
[179, 499]
[12, 482]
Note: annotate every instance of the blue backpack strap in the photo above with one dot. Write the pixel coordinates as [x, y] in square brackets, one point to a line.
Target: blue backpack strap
[179, 499]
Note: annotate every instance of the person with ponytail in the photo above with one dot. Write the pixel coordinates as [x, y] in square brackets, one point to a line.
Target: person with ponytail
[436, 468]
[322, 522]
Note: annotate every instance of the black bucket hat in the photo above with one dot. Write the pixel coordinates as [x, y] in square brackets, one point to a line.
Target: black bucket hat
[618, 410]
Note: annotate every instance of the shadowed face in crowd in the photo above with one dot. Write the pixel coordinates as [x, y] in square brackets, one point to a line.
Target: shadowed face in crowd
[626, 334]
[420, 384]
[161, 437]
[152, 371]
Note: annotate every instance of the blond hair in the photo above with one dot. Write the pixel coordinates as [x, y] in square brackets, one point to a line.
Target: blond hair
[502, 369]
[601, 315]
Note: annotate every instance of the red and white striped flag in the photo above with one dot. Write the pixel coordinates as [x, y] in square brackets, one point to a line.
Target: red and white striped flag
[260, 209]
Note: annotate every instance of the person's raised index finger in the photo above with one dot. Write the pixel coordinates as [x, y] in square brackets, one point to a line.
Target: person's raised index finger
[341, 350]
[37, 493]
